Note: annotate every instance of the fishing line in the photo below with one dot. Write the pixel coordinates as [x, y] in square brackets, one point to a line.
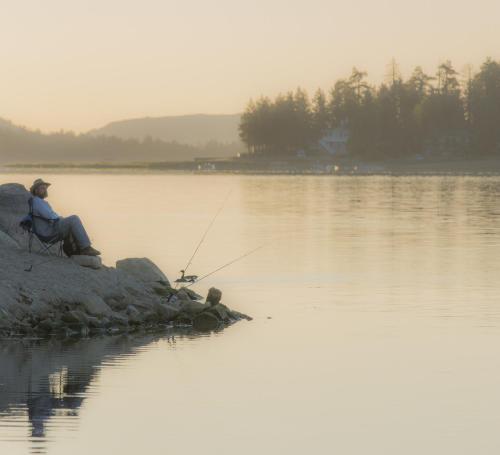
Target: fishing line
[207, 230]
[226, 265]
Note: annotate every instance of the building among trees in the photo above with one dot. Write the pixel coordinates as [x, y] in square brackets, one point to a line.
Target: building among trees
[335, 140]
[441, 116]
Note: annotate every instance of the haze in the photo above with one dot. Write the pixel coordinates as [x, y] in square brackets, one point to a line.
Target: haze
[81, 64]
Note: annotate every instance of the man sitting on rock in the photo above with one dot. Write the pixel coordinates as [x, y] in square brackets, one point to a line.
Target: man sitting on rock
[49, 224]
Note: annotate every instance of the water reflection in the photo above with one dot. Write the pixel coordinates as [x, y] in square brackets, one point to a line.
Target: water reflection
[383, 298]
[428, 244]
[48, 380]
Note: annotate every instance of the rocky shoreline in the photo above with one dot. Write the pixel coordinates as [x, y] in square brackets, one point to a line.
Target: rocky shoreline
[43, 295]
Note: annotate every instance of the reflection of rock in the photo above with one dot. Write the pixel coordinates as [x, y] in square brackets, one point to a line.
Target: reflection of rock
[52, 376]
[43, 406]
[206, 322]
[43, 295]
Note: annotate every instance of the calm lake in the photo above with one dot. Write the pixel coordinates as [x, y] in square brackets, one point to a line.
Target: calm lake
[376, 305]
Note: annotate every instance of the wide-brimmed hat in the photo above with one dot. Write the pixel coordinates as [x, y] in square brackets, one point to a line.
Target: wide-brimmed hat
[37, 183]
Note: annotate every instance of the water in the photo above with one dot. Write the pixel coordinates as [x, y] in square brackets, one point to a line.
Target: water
[376, 321]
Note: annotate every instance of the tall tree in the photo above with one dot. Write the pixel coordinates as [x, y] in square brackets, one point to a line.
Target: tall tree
[320, 113]
[420, 81]
[393, 74]
[485, 109]
[357, 81]
[447, 78]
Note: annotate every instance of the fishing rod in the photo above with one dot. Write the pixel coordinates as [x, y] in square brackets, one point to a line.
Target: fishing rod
[192, 278]
[207, 230]
[226, 265]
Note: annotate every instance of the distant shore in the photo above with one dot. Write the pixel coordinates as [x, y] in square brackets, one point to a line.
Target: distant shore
[462, 166]
[423, 167]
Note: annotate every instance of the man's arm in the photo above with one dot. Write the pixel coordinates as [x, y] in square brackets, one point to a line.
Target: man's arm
[43, 209]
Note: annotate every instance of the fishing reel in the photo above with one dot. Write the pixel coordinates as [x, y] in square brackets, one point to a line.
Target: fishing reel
[186, 278]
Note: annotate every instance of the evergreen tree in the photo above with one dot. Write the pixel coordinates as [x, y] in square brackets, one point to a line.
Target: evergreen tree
[485, 109]
[320, 114]
[396, 120]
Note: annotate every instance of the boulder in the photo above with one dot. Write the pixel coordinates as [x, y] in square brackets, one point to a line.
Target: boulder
[166, 312]
[94, 323]
[92, 262]
[164, 291]
[237, 316]
[206, 322]
[5, 319]
[95, 306]
[6, 241]
[118, 304]
[134, 315]
[144, 270]
[191, 307]
[151, 317]
[183, 296]
[214, 296]
[221, 312]
[13, 206]
[40, 309]
[132, 311]
[74, 317]
[47, 325]
[192, 295]
[118, 319]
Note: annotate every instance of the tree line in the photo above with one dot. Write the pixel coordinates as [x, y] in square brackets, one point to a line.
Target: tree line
[20, 145]
[444, 114]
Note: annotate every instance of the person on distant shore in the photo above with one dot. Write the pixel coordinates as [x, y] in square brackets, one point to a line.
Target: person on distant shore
[49, 224]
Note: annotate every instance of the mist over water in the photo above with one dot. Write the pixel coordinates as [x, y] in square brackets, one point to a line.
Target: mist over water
[376, 321]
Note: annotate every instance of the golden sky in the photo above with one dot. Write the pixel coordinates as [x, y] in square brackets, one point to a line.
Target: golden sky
[78, 64]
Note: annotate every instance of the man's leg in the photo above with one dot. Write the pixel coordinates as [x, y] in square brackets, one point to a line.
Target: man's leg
[73, 225]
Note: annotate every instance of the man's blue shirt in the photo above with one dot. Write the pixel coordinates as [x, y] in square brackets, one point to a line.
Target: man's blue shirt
[46, 223]
[42, 208]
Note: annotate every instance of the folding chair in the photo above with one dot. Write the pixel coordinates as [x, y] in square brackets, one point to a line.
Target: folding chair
[44, 243]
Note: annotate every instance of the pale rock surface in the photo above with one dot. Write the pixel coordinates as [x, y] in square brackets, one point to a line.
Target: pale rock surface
[143, 269]
[93, 262]
[6, 241]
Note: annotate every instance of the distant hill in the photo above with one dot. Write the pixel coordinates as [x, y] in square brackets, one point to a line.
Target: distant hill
[197, 129]
[22, 145]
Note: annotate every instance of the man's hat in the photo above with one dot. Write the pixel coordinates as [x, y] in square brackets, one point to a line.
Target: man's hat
[37, 183]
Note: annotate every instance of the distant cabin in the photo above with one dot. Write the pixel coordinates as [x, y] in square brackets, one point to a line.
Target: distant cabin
[334, 142]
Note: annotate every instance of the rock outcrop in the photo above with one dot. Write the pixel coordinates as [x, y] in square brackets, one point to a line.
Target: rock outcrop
[93, 262]
[143, 270]
[43, 295]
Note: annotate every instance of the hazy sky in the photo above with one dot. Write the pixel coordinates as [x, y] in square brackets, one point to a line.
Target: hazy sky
[78, 64]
